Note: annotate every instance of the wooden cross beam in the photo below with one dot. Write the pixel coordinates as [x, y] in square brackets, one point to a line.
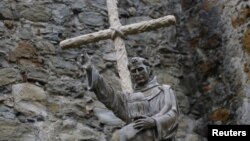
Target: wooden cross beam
[121, 53]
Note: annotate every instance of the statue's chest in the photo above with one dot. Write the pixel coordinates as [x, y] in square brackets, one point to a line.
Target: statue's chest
[139, 103]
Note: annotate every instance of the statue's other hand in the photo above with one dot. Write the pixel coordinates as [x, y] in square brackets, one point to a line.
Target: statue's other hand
[144, 122]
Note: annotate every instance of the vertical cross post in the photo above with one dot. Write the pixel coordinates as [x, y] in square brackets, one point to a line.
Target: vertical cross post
[121, 53]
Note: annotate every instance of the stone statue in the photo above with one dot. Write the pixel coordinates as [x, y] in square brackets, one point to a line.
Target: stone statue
[150, 113]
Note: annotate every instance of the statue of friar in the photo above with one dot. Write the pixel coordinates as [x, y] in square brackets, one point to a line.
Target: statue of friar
[150, 112]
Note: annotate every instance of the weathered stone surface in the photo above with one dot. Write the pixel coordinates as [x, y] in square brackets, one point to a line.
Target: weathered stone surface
[136, 19]
[25, 33]
[200, 126]
[110, 56]
[2, 54]
[7, 112]
[166, 78]
[204, 58]
[23, 50]
[240, 17]
[2, 28]
[100, 2]
[9, 102]
[8, 75]
[236, 54]
[192, 137]
[91, 18]
[246, 41]
[81, 133]
[186, 126]
[61, 13]
[63, 67]
[37, 75]
[26, 55]
[69, 124]
[79, 5]
[5, 11]
[183, 102]
[66, 107]
[221, 114]
[66, 86]
[13, 130]
[29, 99]
[66, 130]
[69, 55]
[243, 112]
[9, 24]
[35, 13]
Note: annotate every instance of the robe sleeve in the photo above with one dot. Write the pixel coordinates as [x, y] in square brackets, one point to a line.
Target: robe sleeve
[105, 93]
[167, 118]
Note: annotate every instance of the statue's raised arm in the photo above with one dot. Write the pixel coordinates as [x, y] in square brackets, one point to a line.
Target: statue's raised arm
[112, 99]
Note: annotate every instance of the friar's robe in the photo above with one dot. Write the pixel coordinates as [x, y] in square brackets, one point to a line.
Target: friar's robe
[156, 101]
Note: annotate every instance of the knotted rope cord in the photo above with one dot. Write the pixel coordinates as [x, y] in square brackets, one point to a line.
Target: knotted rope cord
[117, 32]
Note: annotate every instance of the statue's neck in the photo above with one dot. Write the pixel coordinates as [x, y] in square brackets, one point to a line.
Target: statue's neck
[152, 83]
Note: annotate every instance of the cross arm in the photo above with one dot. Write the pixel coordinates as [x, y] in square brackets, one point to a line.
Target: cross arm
[126, 30]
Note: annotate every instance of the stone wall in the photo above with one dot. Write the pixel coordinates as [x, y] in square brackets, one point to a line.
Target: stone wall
[236, 25]
[43, 93]
[215, 34]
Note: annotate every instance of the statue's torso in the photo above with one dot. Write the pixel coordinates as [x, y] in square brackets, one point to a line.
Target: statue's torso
[148, 102]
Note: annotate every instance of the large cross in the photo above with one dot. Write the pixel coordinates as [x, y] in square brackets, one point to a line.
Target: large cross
[116, 26]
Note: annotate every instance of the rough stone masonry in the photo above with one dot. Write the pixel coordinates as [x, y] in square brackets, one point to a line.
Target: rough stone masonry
[43, 93]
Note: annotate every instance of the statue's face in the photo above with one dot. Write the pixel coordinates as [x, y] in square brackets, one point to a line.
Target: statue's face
[139, 74]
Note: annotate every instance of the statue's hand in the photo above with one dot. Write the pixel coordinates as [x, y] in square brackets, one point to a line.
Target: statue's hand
[144, 122]
[84, 61]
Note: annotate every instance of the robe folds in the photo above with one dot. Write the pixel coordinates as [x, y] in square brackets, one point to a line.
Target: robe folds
[154, 100]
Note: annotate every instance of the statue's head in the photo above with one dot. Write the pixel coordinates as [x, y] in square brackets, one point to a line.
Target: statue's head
[140, 70]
